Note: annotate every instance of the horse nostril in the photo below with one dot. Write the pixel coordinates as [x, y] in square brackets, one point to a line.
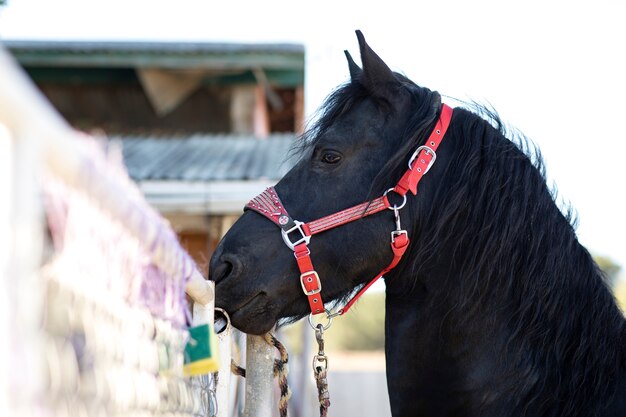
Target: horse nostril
[228, 265]
[222, 271]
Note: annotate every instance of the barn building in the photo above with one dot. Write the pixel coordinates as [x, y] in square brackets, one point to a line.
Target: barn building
[203, 126]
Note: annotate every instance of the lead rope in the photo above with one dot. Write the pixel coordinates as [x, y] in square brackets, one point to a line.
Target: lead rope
[320, 369]
[280, 372]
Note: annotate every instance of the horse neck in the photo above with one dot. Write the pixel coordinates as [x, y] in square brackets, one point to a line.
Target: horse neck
[507, 304]
[531, 344]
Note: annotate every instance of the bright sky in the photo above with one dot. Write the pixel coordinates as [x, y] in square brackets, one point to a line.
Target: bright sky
[554, 69]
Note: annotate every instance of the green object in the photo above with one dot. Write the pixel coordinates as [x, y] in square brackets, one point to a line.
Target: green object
[201, 352]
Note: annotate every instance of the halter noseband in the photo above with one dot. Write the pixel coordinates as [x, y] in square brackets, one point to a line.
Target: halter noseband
[297, 234]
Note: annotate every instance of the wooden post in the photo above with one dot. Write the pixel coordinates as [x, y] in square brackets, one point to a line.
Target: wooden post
[259, 378]
[303, 382]
[223, 383]
[299, 121]
[261, 114]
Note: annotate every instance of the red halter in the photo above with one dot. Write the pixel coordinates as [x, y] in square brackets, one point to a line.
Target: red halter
[297, 234]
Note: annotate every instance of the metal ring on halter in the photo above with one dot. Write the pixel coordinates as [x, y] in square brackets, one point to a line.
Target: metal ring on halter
[329, 316]
[394, 207]
[226, 316]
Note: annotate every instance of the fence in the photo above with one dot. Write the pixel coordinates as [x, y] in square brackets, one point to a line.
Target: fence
[98, 329]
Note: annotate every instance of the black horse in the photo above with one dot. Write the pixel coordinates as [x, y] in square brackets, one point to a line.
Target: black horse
[495, 310]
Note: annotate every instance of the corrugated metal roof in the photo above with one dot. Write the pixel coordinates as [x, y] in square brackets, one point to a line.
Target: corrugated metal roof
[205, 158]
[163, 54]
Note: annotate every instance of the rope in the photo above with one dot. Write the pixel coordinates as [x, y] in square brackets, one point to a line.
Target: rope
[280, 372]
[320, 370]
[236, 369]
[322, 390]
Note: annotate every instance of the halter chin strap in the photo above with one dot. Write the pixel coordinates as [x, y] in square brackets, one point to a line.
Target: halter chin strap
[297, 235]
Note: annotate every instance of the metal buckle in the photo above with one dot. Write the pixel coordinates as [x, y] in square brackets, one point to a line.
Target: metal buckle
[397, 233]
[417, 151]
[317, 278]
[298, 227]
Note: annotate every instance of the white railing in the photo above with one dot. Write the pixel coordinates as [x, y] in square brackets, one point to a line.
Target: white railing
[35, 137]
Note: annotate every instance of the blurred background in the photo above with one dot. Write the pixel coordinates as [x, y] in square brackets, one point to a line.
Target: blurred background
[206, 99]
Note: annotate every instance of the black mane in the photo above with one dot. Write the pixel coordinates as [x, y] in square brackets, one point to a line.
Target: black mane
[515, 249]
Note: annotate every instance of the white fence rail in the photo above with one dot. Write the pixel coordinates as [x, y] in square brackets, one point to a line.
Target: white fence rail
[33, 138]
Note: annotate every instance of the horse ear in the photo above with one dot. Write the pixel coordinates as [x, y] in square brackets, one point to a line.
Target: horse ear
[355, 70]
[377, 77]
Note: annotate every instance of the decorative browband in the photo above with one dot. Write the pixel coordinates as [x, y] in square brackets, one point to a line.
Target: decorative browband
[269, 205]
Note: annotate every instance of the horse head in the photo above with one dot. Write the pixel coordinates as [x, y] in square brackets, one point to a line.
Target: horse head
[355, 151]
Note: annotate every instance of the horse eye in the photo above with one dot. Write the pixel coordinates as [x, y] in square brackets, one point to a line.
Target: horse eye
[331, 158]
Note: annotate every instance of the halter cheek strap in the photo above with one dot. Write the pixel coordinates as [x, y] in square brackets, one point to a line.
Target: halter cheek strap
[269, 205]
[297, 235]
